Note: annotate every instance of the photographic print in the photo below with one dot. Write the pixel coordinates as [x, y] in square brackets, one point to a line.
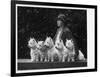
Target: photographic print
[52, 38]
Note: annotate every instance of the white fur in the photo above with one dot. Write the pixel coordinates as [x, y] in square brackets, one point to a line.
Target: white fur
[71, 50]
[42, 53]
[81, 56]
[52, 52]
[34, 52]
[40, 44]
[62, 49]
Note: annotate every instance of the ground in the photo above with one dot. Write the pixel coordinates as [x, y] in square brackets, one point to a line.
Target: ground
[26, 64]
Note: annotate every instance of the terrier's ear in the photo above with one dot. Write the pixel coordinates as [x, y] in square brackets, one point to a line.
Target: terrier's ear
[66, 40]
[47, 37]
[30, 38]
[71, 40]
[50, 39]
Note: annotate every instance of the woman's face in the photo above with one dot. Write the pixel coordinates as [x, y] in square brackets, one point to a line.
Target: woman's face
[59, 23]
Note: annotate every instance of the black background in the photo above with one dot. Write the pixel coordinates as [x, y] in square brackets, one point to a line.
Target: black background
[41, 22]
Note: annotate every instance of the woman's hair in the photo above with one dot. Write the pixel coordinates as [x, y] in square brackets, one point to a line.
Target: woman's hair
[66, 19]
[61, 17]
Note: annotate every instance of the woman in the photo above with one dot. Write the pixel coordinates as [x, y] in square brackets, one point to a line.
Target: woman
[63, 32]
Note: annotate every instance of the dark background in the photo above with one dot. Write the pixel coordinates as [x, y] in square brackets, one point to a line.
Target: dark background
[41, 22]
